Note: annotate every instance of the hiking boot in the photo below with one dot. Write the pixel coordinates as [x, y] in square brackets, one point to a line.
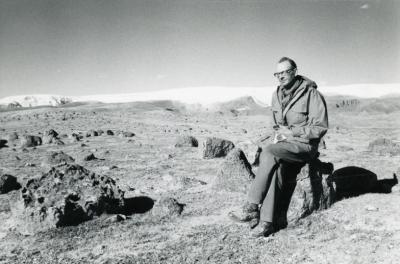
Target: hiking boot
[264, 229]
[248, 213]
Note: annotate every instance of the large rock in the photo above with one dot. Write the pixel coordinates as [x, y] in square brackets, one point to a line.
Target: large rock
[3, 143]
[186, 141]
[314, 191]
[8, 183]
[216, 147]
[65, 196]
[56, 158]
[235, 173]
[31, 141]
[51, 137]
[167, 207]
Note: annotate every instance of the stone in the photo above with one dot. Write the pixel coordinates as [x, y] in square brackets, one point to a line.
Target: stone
[126, 134]
[55, 158]
[92, 133]
[89, 157]
[31, 141]
[110, 132]
[167, 207]
[74, 137]
[65, 196]
[352, 181]
[8, 183]
[186, 141]
[314, 191]
[216, 147]
[235, 174]
[51, 137]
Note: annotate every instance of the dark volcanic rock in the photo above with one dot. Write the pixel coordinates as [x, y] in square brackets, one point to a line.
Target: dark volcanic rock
[352, 181]
[58, 158]
[235, 173]
[65, 196]
[8, 183]
[110, 132]
[216, 147]
[167, 207]
[31, 141]
[186, 141]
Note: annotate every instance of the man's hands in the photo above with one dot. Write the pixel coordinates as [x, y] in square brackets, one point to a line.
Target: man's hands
[282, 133]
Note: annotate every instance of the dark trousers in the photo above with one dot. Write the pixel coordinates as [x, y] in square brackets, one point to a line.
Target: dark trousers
[276, 177]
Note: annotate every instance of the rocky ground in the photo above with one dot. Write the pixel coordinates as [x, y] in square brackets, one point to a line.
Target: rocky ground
[148, 165]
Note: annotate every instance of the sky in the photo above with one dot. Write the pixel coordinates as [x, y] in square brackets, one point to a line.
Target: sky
[72, 47]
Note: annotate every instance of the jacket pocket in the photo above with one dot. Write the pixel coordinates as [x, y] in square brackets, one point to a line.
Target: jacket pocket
[298, 114]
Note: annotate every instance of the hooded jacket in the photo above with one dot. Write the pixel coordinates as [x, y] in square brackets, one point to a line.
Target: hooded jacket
[306, 113]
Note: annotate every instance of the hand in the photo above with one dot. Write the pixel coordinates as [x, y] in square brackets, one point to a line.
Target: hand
[284, 130]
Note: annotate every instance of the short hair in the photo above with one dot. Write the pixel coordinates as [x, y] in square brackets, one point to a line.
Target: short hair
[292, 63]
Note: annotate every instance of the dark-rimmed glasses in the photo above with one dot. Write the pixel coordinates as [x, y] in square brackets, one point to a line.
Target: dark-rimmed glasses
[277, 74]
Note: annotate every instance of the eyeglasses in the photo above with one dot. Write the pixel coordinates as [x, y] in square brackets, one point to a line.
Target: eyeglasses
[277, 74]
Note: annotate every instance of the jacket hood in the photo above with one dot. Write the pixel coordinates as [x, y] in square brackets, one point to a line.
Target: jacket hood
[308, 82]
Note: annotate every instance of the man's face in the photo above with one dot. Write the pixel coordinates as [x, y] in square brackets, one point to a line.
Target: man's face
[285, 73]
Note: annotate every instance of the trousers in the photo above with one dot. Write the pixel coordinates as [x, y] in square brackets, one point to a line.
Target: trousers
[276, 176]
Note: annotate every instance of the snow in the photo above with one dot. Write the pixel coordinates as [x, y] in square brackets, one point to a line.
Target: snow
[204, 95]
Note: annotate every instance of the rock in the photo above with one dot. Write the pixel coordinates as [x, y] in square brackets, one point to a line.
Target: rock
[167, 207]
[125, 134]
[31, 141]
[314, 191]
[235, 174]
[92, 133]
[8, 183]
[186, 141]
[51, 133]
[55, 158]
[89, 157]
[216, 147]
[110, 132]
[352, 181]
[51, 137]
[65, 196]
[74, 137]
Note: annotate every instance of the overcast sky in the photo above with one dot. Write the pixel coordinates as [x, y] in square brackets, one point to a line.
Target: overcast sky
[73, 47]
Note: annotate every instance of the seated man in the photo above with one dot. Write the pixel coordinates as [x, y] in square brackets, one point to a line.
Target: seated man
[300, 120]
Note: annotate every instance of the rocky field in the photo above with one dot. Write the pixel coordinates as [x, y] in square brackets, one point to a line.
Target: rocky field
[132, 183]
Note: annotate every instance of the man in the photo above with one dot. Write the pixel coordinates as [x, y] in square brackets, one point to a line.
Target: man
[300, 121]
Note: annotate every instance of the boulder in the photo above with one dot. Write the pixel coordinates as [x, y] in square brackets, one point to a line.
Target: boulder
[235, 173]
[68, 195]
[55, 158]
[167, 207]
[89, 157]
[314, 191]
[186, 141]
[216, 147]
[51, 137]
[31, 141]
[110, 132]
[8, 183]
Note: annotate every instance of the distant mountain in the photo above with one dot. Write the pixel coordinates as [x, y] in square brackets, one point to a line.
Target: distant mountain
[200, 96]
